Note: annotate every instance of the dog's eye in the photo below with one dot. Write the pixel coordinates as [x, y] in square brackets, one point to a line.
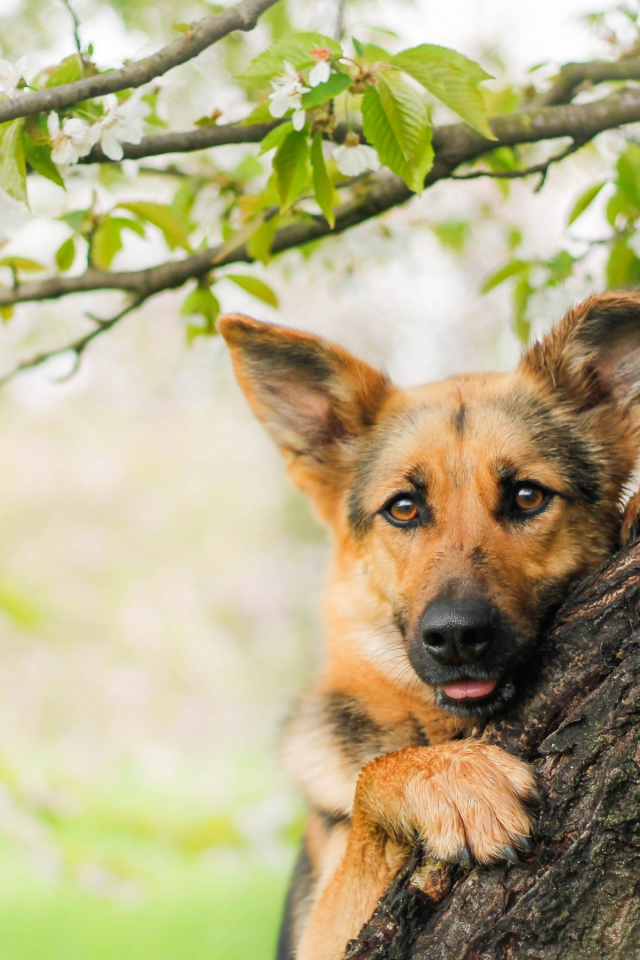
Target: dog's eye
[528, 498]
[402, 511]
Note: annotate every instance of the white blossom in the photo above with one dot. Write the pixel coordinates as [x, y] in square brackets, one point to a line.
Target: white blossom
[72, 140]
[320, 73]
[353, 157]
[122, 122]
[287, 95]
[11, 74]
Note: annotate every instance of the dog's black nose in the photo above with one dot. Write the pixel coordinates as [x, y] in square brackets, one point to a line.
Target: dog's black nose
[457, 631]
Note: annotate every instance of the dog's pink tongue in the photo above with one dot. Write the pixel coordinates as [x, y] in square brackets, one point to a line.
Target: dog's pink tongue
[470, 688]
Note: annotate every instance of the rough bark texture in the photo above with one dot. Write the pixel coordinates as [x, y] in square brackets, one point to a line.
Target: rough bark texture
[577, 894]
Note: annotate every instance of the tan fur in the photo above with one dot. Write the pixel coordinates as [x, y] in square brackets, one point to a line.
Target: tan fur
[368, 744]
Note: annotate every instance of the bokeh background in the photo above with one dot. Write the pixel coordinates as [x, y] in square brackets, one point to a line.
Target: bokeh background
[160, 583]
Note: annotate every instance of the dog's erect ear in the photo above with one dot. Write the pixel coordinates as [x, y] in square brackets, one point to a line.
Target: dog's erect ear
[593, 355]
[313, 397]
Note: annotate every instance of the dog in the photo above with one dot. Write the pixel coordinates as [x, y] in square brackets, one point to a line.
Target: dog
[462, 513]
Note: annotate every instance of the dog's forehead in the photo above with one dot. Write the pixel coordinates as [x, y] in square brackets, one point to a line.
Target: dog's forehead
[472, 415]
[477, 427]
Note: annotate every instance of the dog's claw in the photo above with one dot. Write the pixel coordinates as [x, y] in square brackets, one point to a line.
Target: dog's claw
[465, 856]
[633, 534]
[536, 797]
[508, 853]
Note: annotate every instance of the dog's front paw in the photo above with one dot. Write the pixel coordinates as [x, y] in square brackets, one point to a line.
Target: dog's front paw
[467, 800]
[630, 531]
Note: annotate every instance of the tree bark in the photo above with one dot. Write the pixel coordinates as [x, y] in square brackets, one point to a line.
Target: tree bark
[577, 894]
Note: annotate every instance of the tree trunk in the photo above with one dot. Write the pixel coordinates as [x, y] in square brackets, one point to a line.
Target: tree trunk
[577, 894]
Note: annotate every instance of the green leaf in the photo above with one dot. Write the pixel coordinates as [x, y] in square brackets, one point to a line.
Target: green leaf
[259, 243]
[65, 254]
[335, 85]
[323, 188]
[80, 221]
[107, 239]
[38, 156]
[161, 215]
[450, 77]
[623, 267]
[452, 233]
[585, 200]
[628, 170]
[13, 168]
[521, 296]
[259, 114]
[396, 122]
[371, 53]
[512, 269]
[68, 71]
[22, 263]
[275, 137]
[255, 287]
[560, 267]
[201, 302]
[291, 165]
[296, 49]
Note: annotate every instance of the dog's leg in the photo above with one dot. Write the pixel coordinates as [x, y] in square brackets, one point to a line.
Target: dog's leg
[465, 799]
[630, 531]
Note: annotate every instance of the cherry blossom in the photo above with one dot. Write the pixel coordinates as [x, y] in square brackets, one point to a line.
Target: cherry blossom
[353, 157]
[287, 95]
[71, 140]
[11, 74]
[122, 122]
[322, 70]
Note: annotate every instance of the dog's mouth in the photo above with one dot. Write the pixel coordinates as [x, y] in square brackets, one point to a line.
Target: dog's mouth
[475, 697]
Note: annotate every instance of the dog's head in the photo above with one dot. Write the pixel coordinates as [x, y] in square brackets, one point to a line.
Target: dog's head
[464, 510]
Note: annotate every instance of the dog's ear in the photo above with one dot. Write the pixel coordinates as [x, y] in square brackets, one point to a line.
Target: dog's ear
[592, 356]
[313, 397]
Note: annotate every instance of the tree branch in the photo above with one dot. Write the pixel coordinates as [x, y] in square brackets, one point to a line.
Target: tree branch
[574, 75]
[202, 138]
[454, 144]
[201, 35]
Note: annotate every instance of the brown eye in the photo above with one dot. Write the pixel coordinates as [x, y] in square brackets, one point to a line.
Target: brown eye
[527, 497]
[403, 510]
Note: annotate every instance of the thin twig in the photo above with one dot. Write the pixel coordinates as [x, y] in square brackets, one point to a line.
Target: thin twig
[77, 347]
[542, 168]
[76, 25]
[201, 35]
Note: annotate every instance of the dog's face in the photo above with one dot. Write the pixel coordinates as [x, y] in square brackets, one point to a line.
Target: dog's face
[466, 508]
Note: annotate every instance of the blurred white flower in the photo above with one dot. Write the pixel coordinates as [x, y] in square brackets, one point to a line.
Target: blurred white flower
[123, 122]
[322, 70]
[287, 95]
[72, 140]
[353, 157]
[11, 74]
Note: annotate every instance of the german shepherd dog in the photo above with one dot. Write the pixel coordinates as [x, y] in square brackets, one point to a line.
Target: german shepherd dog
[462, 513]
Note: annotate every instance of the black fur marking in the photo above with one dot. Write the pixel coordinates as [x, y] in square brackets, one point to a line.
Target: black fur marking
[478, 558]
[418, 736]
[576, 458]
[331, 819]
[401, 622]
[300, 888]
[459, 419]
[269, 359]
[359, 736]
